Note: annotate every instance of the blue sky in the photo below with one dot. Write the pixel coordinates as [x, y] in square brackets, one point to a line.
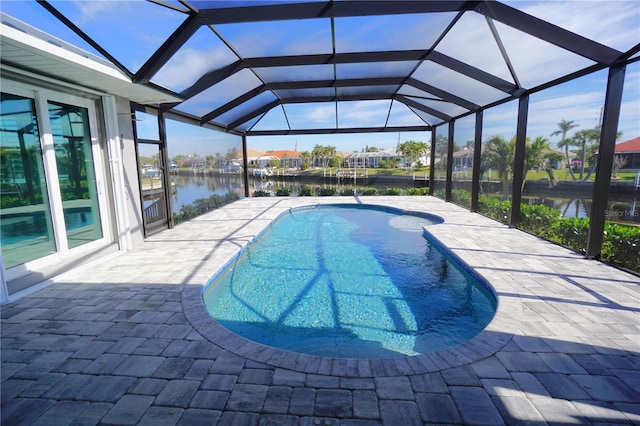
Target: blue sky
[132, 30]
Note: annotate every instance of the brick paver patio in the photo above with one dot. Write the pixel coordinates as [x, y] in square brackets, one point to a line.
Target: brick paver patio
[127, 340]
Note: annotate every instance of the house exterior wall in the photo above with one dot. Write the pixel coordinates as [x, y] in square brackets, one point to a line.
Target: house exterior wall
[131, 176]
[291, 162]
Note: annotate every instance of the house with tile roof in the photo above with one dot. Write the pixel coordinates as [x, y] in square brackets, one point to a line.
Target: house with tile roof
[258, 159]
[288, 158]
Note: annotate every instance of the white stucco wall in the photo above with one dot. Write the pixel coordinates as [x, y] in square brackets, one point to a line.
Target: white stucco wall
[131, 177]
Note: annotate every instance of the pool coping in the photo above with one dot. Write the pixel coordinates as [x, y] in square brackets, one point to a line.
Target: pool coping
[499, 331]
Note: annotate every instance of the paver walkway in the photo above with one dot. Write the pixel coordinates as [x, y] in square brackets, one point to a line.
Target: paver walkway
[127, 340]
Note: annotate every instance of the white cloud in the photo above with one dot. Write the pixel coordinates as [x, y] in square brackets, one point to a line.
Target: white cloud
[186, 139]
[457, 84]
[322, 114]
[401, 115]
[223, 92]
[500, 121]
[92, 10]
[342, 142]
[471, 41]
[189, 64]
[632, 81]
[536, 61]
[272, 120]
[390, 32]
[279, 37]
[362, 113]
[612, 23]
[308, 42]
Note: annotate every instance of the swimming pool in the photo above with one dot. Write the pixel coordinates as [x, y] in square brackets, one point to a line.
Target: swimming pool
[351, 282]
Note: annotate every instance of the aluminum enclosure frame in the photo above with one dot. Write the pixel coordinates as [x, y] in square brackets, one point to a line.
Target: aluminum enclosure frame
[603, 57]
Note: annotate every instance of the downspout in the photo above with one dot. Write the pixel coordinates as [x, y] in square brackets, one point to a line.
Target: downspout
[115, 144]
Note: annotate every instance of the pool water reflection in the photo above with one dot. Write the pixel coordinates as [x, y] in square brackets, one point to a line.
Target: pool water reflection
[349, 282]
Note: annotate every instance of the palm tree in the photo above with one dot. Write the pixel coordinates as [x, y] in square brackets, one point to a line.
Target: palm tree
[586, 140]
[330, 152]
[413, 150]
[442, 144]
[498, 155]
[565, 126]
[317, 153]
[537, 156]
[323, 153]
[305, 156]
[232, 154]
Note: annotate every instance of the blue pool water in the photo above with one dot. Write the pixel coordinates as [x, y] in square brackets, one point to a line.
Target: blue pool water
[349, 282]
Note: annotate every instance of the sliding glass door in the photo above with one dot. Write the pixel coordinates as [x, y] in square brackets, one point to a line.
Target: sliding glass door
[51, 197]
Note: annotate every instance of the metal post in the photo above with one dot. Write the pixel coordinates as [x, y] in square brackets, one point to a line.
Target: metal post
[518, 160]
[606, 153]
[245, 165]
[477, 152]
[449, 182]
[164, 167]
[432, 160]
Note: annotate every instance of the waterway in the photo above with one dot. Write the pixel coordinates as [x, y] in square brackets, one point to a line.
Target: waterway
[189, 187]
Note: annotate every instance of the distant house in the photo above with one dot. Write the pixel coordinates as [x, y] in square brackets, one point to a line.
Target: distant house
[195, 162]
[629, 154]
[560, 162]
[463, 159]
[257, 159]
[218, 161]
[288, 158]
[369, 159]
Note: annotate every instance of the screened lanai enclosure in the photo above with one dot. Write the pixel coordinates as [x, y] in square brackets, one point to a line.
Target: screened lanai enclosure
[476, 78]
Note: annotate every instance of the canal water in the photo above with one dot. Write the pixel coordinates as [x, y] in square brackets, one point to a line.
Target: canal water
[190, 187]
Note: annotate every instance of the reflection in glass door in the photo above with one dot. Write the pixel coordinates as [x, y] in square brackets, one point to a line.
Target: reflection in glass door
[154, 197]
[25, 217]
[76, 175]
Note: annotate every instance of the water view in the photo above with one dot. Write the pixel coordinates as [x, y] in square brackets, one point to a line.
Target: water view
[189, 187]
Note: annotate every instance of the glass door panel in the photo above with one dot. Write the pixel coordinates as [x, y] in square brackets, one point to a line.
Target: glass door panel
[76, 175]
[26, 227]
